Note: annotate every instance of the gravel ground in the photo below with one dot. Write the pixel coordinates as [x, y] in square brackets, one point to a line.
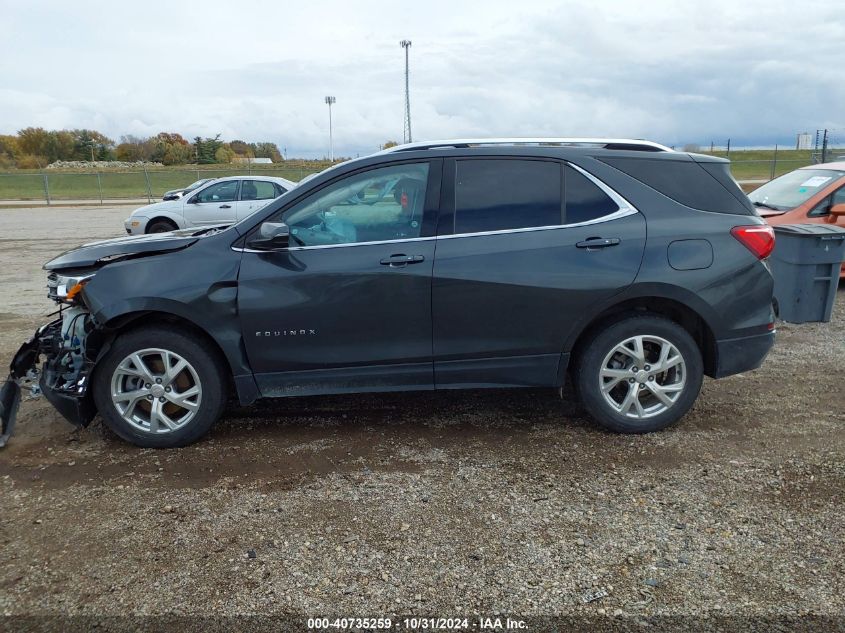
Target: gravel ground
[475, 503]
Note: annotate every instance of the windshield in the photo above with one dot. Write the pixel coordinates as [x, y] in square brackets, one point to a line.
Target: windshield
[794, 188]
[196, 184]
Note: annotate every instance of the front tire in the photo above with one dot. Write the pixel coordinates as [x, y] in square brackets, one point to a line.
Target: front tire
[159, 388]
[639, 375]
[161, 226]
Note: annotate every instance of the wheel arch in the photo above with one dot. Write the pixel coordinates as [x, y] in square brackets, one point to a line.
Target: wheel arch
[659, 304]
[232, 357]
[162, 218]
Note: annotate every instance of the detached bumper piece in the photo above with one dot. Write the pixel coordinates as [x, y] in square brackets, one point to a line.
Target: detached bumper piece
[10, 395]
[10, 400]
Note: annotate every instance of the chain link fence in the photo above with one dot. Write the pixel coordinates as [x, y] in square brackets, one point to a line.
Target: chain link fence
[104, 186]
[113, 186]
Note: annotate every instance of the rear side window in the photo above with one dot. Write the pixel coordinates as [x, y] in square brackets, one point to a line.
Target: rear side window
[258, 190]
[584, 200]
[706, 186]
[496, 195]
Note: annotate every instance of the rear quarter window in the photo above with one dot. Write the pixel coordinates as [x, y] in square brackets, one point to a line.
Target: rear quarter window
[704, 186]
[585, 201]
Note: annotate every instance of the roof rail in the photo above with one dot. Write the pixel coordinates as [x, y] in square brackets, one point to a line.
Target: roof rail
[605, 143]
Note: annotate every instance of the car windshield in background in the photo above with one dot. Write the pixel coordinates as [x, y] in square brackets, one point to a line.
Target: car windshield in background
[794, 188]
[196, 184]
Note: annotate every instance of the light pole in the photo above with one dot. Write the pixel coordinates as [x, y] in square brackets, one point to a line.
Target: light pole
[406, 132]
[329, 102]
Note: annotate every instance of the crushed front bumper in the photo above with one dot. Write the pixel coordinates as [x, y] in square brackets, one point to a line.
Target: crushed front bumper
[75, 404]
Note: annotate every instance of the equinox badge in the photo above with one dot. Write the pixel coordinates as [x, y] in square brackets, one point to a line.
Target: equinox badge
[286, 333]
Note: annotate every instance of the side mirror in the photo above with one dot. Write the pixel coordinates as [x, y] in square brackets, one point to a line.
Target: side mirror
[271, 236]
[837, 210]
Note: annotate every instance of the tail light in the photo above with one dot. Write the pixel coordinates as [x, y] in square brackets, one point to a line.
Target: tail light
[760, 240]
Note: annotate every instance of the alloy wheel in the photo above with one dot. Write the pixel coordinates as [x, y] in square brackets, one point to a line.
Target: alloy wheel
[642, 376]
[156, 390]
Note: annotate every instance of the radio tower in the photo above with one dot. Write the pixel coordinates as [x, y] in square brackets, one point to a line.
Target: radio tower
[406, 134]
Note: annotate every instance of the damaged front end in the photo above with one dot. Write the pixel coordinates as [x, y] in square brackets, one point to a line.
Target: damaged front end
[58, 360]
[66, 346]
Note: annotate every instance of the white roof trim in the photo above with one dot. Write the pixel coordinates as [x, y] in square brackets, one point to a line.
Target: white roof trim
[525, 141]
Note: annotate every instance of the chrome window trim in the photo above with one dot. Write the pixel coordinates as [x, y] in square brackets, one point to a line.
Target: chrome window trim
[620, 213]
[319, 246]
[625, 209]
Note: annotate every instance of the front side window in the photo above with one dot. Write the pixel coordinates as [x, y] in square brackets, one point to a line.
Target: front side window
[221, 192]
[823, 207]
[258, 190]
[585, 201]
[376, 205]
[501, 194]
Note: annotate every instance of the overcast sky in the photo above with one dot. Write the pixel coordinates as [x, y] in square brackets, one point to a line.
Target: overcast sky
[677, 72]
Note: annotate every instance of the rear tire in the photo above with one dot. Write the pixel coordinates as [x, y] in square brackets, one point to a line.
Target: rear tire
[159, 388]
[639, 375]
[161, 226]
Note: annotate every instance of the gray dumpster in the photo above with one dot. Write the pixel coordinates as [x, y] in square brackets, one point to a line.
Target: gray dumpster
[805, 265]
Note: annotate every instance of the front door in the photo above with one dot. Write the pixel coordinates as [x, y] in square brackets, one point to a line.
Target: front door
[213, 205]
[347, 307]
[525, 247]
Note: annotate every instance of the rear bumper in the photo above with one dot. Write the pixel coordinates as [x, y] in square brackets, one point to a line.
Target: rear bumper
[737, 355]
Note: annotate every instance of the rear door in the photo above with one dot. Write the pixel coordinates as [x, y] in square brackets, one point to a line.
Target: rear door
[215, 204]
[524, 248]
[254, 195]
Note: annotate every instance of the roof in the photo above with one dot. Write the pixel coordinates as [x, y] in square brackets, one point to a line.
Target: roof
[283, 181]
[837, 165]
[605, 143]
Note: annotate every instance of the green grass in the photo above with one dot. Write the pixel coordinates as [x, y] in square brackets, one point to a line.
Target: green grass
[29, 184]
[758, 164]
[23, 184]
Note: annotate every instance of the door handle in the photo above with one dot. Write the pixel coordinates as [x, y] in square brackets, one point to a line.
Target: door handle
[402, 260]
[598, 242]
[225, 206]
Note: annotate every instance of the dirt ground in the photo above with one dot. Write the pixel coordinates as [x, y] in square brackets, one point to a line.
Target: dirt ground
[500, 502]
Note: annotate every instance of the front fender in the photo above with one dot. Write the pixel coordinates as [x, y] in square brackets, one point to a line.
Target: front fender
[215, 320]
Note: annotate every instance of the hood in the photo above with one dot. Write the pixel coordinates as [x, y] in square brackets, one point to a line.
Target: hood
[155, 206]
[93, 254]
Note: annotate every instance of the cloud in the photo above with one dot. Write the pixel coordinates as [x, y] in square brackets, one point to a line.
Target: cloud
[755, 72]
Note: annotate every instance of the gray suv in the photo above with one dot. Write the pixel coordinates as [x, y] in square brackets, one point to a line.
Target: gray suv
[463, 264]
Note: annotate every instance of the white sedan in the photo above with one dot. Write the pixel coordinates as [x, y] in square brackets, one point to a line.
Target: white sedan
[221, 201]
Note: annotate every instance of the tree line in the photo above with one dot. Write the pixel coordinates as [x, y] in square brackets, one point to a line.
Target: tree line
[35, 148]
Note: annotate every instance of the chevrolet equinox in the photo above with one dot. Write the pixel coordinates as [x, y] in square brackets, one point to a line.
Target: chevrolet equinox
[461, 264]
